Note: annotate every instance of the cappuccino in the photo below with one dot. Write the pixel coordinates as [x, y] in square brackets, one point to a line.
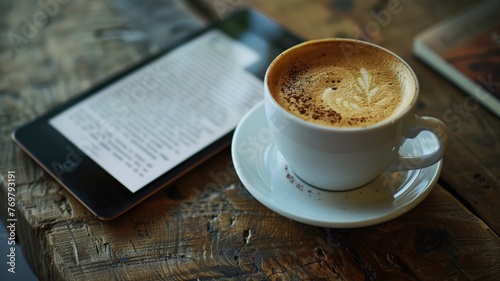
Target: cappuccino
[341, 83]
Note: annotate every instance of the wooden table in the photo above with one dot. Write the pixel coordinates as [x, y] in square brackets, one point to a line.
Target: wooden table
[202, 228]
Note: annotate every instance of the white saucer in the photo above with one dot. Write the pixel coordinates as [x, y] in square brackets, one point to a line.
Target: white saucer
[266, 176]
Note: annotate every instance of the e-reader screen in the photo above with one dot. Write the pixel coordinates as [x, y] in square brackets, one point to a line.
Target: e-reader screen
[140, 127]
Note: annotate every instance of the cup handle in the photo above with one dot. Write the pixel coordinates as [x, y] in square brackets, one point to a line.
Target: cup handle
[423, 123]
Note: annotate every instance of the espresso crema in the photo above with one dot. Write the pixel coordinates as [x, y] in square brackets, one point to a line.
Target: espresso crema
[340, 84]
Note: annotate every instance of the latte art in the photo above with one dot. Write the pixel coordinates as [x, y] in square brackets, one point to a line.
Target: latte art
[363, 102]
[323, 86]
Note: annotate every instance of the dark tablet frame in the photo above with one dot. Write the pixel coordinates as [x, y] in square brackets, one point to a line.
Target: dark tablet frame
[98, 191]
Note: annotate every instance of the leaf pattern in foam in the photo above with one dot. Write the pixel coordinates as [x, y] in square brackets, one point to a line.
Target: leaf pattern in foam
[363, 94]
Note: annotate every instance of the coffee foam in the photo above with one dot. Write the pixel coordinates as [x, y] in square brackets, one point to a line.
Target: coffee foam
[323, 84]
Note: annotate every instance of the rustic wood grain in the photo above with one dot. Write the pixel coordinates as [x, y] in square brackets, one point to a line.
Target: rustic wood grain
[202, 229]
[207, 226]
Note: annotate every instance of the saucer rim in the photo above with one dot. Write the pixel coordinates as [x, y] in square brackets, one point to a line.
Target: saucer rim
[258, 195]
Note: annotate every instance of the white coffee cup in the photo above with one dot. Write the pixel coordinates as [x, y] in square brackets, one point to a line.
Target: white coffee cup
[339, 158]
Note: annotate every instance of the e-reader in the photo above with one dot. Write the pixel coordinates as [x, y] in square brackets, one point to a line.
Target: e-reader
[137, 132]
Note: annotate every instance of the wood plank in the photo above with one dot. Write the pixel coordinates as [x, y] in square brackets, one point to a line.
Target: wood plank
[200, 229]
